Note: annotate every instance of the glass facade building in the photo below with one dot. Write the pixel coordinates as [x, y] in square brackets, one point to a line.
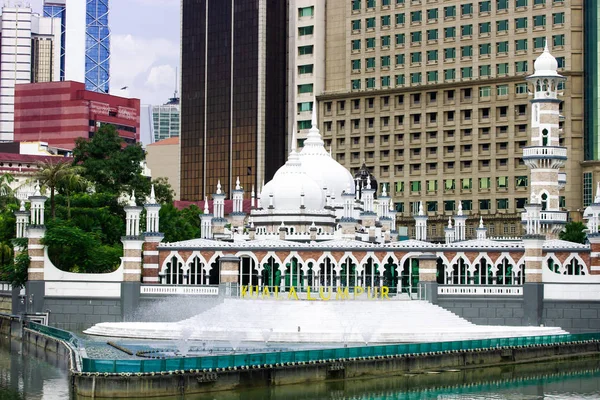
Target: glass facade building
[233, 98]
[97, 41]
[165, 120]
[592, 80]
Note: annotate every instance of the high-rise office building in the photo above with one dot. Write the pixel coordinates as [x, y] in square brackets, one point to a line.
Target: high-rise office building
[165, 119]
[430, 94]
[29, 48]
[306, 63]
[85, 41]
[233, 93]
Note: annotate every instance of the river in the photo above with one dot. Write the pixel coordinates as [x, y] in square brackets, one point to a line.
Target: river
[30, 374]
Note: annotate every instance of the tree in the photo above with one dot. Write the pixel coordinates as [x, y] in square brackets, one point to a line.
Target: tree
[5, 181]
[574, 232]
[70, 184]
[179, 225]
[109, 164]
[52, 174]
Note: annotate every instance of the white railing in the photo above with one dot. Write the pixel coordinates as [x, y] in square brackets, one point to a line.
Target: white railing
[180, 290]
[544, 151]
[480, 290]
[560, 216]
[5, 287]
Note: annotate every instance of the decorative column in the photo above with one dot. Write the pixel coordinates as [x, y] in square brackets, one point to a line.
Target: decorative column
[282, 231]
[449, 232]
[152, 238]
[313, 232]
[35, 287]
[347, 222]
[206, 222]
[133, 243]
[229, 270]
[238, 216]
[393, 231]
[460, 224]
[421, 224]
[368, 216]
[481, 230]
[219, 221]
[533, 289]
[383, 210]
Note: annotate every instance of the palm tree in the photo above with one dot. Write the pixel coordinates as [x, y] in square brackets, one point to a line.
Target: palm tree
[5, 181]
[70, 183]
[53, 174]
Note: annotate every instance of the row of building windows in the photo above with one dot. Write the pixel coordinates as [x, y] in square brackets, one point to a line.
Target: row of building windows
[466, 10]
[449, 185]
[502, 26]
[502, 47]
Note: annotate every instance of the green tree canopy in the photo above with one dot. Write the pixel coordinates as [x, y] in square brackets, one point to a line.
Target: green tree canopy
[574, 232]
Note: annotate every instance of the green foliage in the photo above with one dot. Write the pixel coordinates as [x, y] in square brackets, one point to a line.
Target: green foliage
[14, 269]
[109, 164]
[163, 191]
[54, 174]
[72, 249]
[179, 225]
[574, 232]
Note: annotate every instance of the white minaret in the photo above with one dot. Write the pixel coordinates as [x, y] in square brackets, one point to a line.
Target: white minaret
[481, 230]
[219, 202]
[238, 197]
[383, 204]
[449, 231]
[22, 221]
[206, 222]
[421, 224]
[132, 217]
[460, 224]
[152, 212]
[544, 156]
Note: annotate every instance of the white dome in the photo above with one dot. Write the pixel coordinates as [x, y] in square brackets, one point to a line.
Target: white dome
[545, 64]
[321, 167]
[287, 186]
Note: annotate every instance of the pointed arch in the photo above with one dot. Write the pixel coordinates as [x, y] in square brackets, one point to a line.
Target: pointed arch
[574, 265]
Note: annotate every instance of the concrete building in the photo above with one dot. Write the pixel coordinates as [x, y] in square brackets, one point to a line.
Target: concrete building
[306, 72]
[30, 53]
[60, 112]
[233, 97]
[85, 41]
[162, 158]
[431, 96]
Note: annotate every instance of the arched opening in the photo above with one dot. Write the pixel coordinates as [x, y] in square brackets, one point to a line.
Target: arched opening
[440, 272]
[173, 274]
[327, 273]
[409, 276]
[553, 265]
[574, 268]
[196, 275]
[270, 274]
[370, 276]
[544, 201]
[460, 272]
[248, 273]
[390, 275]
[348, 274]
[545, 137]
[504, 275]
[483, 272]
[294, 276]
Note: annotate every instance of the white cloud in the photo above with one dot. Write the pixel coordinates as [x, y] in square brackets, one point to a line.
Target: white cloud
[145, 66]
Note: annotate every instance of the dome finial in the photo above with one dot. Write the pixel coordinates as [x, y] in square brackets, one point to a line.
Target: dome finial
[384, 191]
[293, 144]
[421, 211]
[219, 186]
[460, 209]
[22, 205]
[237, 184]
[314, 113]
[152, 196]
[480, 222]
[546, 50]
[449, 222]
[205, 205]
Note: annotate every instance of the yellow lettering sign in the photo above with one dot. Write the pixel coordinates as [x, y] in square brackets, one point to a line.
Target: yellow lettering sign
[384, 292]
[322, 294]
[308, 296]
[325, 293]
[358, 291]
[244, 291]
[342, 294]
[292, 293]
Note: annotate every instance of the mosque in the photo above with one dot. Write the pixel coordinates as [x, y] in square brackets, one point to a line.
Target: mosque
[314, 225]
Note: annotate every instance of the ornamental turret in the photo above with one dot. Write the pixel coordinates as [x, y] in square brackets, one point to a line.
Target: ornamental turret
[544, 156]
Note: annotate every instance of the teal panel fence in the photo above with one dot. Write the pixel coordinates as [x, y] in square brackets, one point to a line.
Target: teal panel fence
[260, 359]
[54, 332]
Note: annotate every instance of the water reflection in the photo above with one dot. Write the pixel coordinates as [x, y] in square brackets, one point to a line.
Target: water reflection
[29, 377]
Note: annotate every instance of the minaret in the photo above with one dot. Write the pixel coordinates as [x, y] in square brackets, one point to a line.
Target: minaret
[544, 156]
[348, 222]
[152, 238]
[218, 221]
[206, 222]
[421, 224]
[368, 216]
[460, 224]
[481, 230]
[449, 232]
[133, 243]
[237, 215]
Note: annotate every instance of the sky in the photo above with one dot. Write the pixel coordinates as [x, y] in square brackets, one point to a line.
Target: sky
[145, 50]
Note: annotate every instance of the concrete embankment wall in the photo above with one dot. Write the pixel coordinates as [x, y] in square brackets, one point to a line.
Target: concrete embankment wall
[142, 385]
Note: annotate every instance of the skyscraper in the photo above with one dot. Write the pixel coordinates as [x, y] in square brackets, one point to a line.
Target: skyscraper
[29, 48]
[85, 41]
[233, 97]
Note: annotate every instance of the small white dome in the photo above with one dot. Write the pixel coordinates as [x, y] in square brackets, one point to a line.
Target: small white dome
[320, 166]
[287, 186]
[546, 64]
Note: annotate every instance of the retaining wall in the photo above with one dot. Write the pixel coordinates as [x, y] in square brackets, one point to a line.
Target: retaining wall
[77, 314]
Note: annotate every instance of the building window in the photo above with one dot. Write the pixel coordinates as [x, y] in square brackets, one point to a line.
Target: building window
[467, 205]
[432, 76]
[432, 14]
[450, 12]
[502, 26]
[539, 42]
[370, 62]
[370, 43]
[501, 5]
[306, 106]
[306, 88]
[449, 184]
[521, 45]
[485, 91]
[415, 186]
[558, 18]
[521, 88]
[521, 23]
[399, 187]
[415, 57]
[356, 65]
[416, 16]
[502, 90]
[400, 19]
[305, 50]
[502, 204]
[449, 53]
[386, 21]
[449, 205]
[306, 11]
[558, 40]
[588, 188]
[466, 183]
[432, 55]
[370, 3]
[415, 37]
[450, 32]
[400, 38]
[356, 25]
[521, 181]
[485, 27]
[449, 74]
[385, 61]
[400, 59]
[400, 80]
[502, 47]
[466, 30]
[485, 71]
[355, 84]
[432, 186]
[502, 182]
[305, 124]
[432, 206]
[466, 9]
[415, 78]
[502, 69]
[466, 72]
[466, 51]
[370, 22]
[305, 69]
[484, 183]
[539, 21]
[520, 3]
[385, 41]
[306, 30]
[385, 81]
[484, 204]
[355, 5]
[520, 66]
[370, 83]
[485, 6]
[432, 34]
[399, 207]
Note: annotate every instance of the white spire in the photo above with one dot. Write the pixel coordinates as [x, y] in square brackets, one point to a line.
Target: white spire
[206, 205]
[293, 144]
[460, 210]
[314, 114]
[384, 191]
[421, 211]
[237, 184]
[37, 189]
[392, 206]
[330, 151]
[152, 196]
[282, 225]
[597, 198]
[22, 205]
[481, 223]
[369, 181]
[449, 222]
[253, 194]
[314, 142]
[219, 186]
[546, 50]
